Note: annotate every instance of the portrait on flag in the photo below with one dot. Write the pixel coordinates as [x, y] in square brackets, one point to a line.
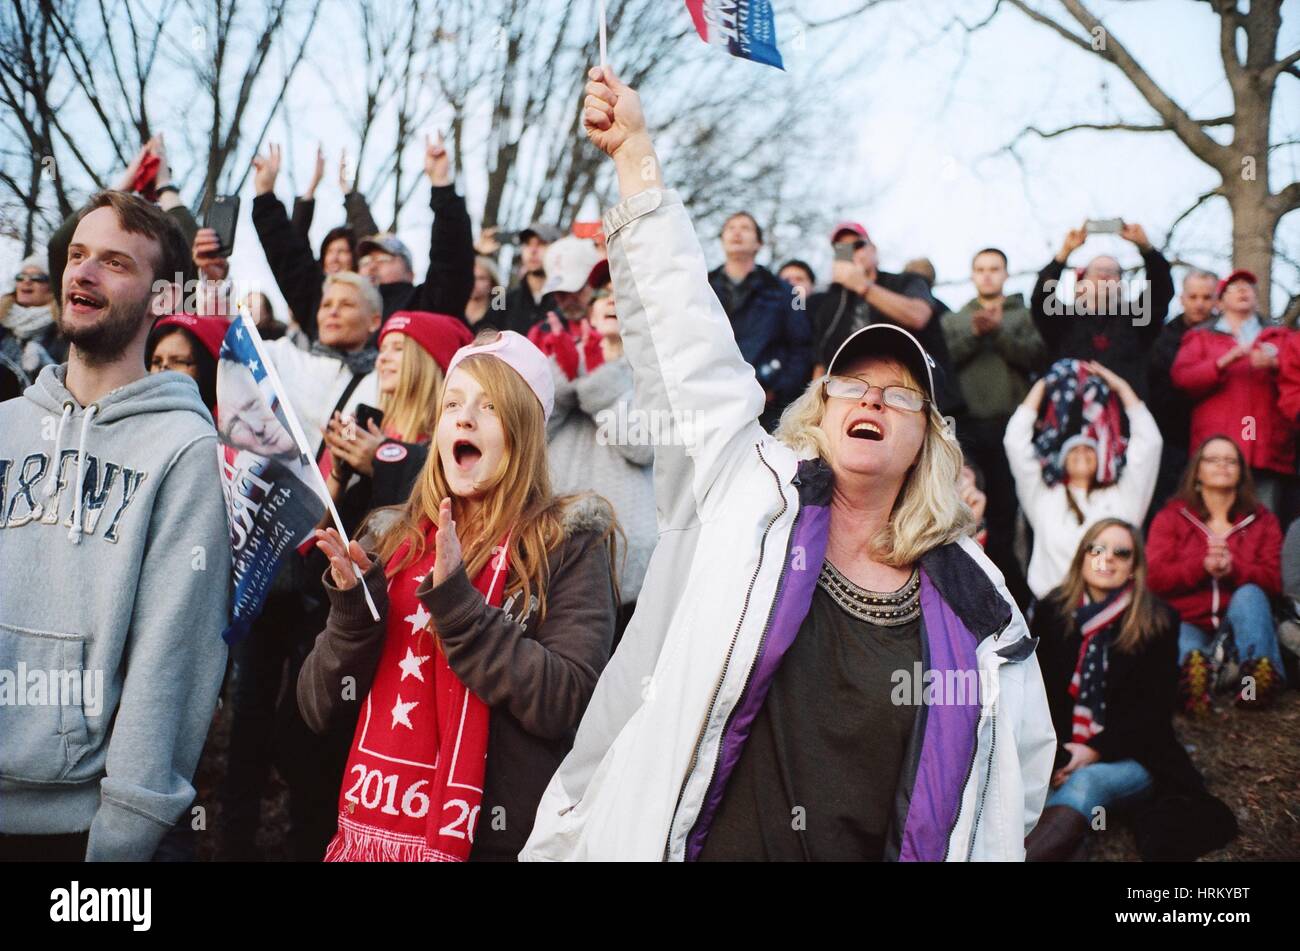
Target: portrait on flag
[272, 495]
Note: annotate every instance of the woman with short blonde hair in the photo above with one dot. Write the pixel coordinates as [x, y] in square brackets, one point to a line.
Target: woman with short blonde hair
[822, 666]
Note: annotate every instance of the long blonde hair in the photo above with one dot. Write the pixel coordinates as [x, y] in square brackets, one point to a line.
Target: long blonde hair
[517, 498]
[410, 410]
[1139, 621]
[928, 511]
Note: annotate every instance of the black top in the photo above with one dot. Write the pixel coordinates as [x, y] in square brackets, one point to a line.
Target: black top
[817, 778]
[1141, 688]
[1121, 342]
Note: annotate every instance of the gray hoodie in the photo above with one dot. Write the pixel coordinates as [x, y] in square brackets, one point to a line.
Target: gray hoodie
[599, 441]
[111, 609]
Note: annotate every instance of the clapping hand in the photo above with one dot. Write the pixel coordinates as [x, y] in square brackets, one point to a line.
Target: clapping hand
[342, 560]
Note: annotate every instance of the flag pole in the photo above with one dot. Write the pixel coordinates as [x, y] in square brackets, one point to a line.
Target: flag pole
[602, 36]
[301, 439]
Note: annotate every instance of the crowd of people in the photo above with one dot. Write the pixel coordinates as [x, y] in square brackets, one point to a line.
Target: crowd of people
[597, 638]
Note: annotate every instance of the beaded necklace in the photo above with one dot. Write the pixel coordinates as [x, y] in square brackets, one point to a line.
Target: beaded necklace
[884, 608]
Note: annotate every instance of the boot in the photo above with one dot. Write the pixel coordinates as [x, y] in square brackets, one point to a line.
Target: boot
[1194, 684]
[1267, 684]
[1058, 837]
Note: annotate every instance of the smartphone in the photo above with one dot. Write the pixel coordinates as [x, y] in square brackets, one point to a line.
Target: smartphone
[365, 414]
[222, 218]
[844, 251]
[1104, 225]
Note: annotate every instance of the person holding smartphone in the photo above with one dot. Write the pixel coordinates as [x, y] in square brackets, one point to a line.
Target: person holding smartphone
[861, 294]
[1105, 319]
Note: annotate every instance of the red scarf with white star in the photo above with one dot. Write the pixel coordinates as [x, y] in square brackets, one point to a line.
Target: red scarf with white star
[414, 780]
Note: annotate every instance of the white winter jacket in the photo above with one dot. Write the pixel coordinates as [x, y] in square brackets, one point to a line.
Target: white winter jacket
[743, 525]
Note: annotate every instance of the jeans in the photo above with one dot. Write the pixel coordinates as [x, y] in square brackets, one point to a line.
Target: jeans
[1101, 784]
[1250, 619]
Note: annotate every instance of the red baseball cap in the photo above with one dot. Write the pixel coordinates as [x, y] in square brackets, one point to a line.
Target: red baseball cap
[1241, 274]
[853, 226]
[210, 330]
[587, 229]
[438, 334]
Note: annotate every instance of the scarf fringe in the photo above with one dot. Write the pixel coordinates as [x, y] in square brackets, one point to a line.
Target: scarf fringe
[355, 842]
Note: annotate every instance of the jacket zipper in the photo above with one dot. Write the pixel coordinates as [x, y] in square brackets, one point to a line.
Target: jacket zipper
[726, 664]
[970, 767]
[1205, 529]
[988, 779]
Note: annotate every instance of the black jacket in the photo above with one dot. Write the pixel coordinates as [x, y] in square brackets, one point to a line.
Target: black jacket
[1117, 341]
[838, 312]
[1171, 407]
[446, 287]
[522, 313]
[774, 338]
[1140, 695]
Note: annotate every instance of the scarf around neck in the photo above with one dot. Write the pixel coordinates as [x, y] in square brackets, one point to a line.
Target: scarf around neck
[414, 780]
[1098, 622]
[360, 362]
[26, 322]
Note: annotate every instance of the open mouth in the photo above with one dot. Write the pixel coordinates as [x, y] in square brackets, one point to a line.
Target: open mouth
[80, 300]
[866, 430]
[466, 454]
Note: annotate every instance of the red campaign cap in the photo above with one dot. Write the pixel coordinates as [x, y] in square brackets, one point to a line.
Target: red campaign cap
[438, 334]
[1241, 274]
[210, 330]
[586, 229]
[853, 226]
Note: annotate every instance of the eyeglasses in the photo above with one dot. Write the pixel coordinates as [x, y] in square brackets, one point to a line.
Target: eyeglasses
[33, 278]
[1230, 461]
[895, 397]
[1122, 554]
[171, 363]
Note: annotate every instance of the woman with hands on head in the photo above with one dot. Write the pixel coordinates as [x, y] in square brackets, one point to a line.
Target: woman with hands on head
[497, 603]
[795, 575]
[1060, 514]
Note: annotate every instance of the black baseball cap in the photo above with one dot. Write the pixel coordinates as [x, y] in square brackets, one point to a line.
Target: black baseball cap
[887, 340]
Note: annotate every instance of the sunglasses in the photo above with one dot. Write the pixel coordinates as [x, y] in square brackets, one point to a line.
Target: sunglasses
[33, 278]
[897, 397]
[1121, 554]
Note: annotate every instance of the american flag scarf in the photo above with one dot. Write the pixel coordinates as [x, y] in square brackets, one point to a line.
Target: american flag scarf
[1097, 622]
[1077, 402]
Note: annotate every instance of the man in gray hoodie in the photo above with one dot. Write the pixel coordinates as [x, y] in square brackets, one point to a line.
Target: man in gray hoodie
[114, 564]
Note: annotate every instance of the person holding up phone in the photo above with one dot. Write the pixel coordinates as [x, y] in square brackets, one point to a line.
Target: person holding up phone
[861, 294]
[1105, 319]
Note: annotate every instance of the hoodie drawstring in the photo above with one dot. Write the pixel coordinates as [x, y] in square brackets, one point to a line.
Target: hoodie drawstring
[74, 535]
[52, 489]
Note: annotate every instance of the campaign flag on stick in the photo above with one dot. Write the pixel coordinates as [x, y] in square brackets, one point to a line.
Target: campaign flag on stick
[275, 494]
[746, 28]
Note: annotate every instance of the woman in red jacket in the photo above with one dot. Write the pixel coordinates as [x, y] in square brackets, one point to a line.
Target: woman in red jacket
[1216, 557]
[1229, 368]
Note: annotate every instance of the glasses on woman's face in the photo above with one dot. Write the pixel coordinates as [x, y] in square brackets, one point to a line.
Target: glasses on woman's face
[32, 278]
[1120, 553]
[1229, 461]
[895, 397]
[170, 363]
